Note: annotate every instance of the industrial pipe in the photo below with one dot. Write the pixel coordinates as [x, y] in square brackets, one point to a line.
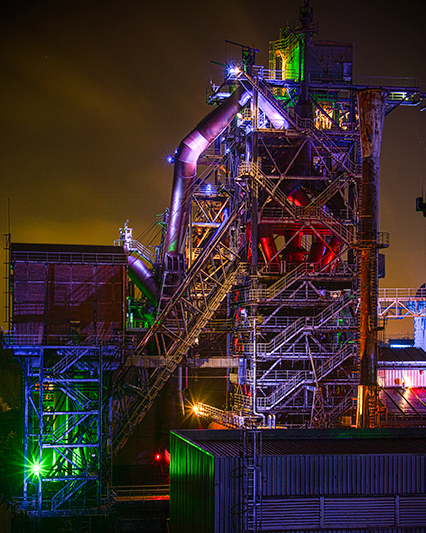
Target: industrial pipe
[185, 169]
[371, 111]
[143, 278]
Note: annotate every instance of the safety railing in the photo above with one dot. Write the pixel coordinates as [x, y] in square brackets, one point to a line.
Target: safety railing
[403, 294]
[141, 493]
[368, 81]
[300, 324]
[303, 376]
[132, 245]
[387, 82]
[11, 339]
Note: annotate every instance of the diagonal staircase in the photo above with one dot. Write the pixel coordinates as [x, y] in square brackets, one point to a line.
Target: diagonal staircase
[191, 307]
[304, 376]
[70, 357]
[67, 493]
[270, 348]
[326, 194]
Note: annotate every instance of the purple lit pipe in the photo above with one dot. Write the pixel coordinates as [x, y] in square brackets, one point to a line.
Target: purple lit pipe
[186, 167]
[276, 118]
[143, 278]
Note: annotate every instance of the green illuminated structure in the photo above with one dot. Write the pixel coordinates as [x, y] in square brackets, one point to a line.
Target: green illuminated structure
[68, 317]
[66, 428]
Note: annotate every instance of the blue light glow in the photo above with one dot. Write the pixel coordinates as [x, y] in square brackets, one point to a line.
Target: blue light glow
[401, 345]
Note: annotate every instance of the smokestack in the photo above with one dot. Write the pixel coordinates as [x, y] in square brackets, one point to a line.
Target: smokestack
[371, 110]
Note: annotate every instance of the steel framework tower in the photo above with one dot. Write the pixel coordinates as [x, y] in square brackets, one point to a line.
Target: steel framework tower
[264, 247]
[68, 336]
[269, 252]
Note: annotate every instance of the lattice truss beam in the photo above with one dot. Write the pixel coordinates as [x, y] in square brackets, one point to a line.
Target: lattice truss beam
[402, 303]
[66, 428]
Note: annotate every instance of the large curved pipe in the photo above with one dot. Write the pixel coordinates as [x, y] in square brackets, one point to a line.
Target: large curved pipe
[276, 118]
[143, 278]
[185, 169]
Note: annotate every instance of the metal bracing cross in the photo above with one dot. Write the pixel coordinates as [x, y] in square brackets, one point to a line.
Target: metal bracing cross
[178, 326]
[65, 441]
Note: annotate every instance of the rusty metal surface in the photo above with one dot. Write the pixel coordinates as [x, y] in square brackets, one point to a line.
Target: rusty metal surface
[371, 110]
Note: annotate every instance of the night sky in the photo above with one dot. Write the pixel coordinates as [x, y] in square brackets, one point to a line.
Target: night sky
[96, 94]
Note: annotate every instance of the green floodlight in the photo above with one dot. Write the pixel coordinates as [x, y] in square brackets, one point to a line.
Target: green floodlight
[36, 469]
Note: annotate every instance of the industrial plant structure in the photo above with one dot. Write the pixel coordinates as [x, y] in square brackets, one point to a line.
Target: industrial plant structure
[266, 273]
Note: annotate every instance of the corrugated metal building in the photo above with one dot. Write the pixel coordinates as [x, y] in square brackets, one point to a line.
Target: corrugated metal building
[63, 292]
[312, 480]
[402, 366]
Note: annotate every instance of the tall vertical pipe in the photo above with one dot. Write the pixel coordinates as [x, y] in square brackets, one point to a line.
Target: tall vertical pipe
[254, 190]
[371, 111]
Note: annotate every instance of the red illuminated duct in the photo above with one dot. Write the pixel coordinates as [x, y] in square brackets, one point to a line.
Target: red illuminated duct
[316, 251]
[167, 457]
[267, 242]
[332, 251]
[186, 167]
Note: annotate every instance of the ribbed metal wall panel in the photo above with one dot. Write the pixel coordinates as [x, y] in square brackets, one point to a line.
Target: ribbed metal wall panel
[330, 493]
[358, 530]
[411, 377]
[332, 514]
[192, 506]
[344, 475]
[289, 513]
[359, 512]
[412, 511]
[228, 495]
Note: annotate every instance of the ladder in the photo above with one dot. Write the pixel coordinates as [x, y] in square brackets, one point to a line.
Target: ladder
[251, 516]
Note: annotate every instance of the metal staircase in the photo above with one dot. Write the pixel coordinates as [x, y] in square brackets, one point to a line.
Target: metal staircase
[180, 323]
[332, 188]
[305, 376]
[248, 296]
[67, 493]
[302, 323]
[70, 357]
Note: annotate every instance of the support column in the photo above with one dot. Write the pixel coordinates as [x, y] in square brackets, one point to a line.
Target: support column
[371, 110]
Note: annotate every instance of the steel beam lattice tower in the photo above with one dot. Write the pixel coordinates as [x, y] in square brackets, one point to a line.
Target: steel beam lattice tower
[68, 336]
[264, 243]
[66, 428]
